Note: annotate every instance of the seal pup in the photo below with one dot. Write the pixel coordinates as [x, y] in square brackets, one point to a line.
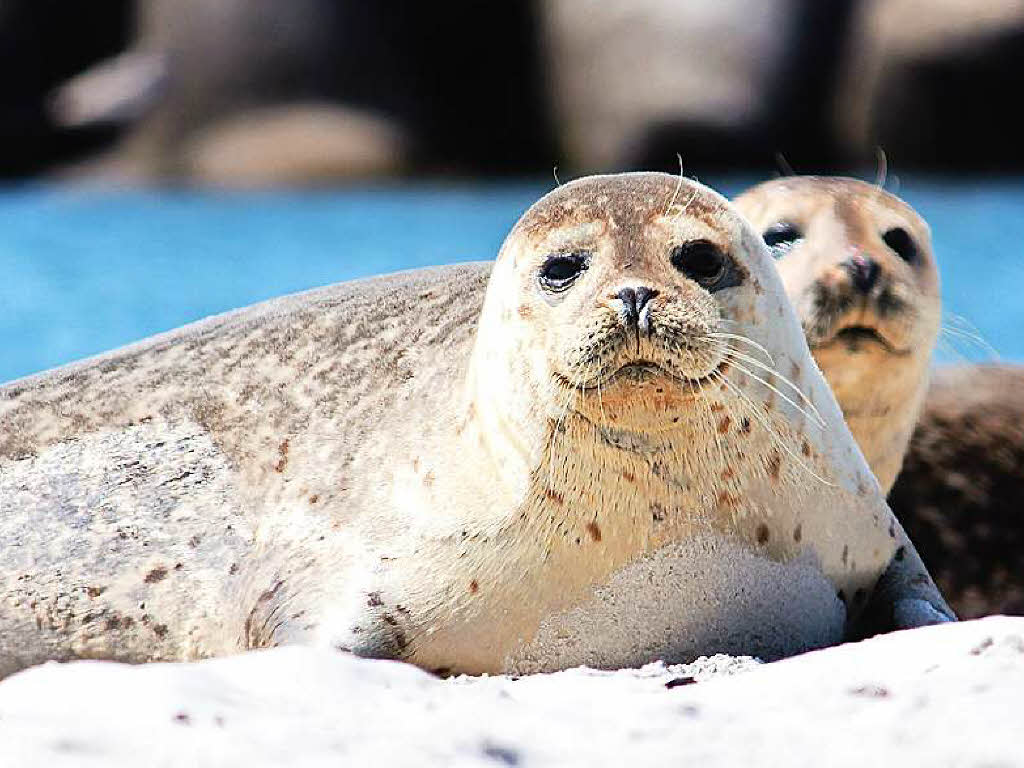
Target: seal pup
[596, 460]
[857, 263]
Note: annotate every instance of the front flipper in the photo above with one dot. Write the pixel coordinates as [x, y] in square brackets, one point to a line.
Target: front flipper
[905, 596]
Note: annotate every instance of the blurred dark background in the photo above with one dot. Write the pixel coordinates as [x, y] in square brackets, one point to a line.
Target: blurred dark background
[297, 92]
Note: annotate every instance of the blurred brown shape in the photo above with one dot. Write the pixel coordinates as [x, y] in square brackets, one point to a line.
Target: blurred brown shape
[960, 495]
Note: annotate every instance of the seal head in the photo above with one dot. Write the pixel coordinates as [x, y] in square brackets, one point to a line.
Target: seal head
[857, 263]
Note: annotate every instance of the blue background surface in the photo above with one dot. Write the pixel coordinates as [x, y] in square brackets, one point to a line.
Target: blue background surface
[83, 272]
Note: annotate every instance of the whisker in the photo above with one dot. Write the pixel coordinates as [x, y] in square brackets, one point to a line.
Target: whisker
[745, 339]
[775, 438]
[736, 354]
[814, 418]
[678, 186]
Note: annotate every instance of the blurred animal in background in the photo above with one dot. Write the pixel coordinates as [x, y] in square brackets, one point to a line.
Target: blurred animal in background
[244, 92]
[958, 434]
[857, 264]
[260, 92]
[961, 492]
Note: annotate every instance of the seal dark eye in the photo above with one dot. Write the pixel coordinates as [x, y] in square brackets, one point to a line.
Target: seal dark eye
[560, 270]
[782, 236]
[704, 263]
[901, 243]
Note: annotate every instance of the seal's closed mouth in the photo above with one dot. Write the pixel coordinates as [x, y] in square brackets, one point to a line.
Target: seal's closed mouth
[855, 336]
[643, 370]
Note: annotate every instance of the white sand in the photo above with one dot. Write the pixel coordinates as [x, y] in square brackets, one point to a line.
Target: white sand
[945, 695]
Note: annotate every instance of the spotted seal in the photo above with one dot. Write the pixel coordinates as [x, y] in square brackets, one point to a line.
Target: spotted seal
[611, 446]
[857, 263]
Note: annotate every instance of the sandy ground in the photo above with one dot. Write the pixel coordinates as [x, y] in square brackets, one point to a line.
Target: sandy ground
[938, 696]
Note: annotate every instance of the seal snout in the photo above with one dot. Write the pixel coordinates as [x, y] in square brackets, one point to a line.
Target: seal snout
[636, 313]
[863, 271]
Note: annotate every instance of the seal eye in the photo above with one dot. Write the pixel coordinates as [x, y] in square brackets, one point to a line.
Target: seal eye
[560, 270]
[780, 237]
[702, 262]
[901, 243]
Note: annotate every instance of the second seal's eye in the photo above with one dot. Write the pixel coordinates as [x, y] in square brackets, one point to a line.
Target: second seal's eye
[902, 243]
[781, 236]
[704, 263]
[560, 270]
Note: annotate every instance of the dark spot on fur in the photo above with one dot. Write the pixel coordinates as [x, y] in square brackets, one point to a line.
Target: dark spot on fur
[112, 624]
[723, 425]
[717, 407]
[373, 599]
[805, 448]
[892, 529]
[900, 553]
[178, 566]
[282, 451]
[846, 553]
[157, 574]
[774, 465]
[314, 498]
[594, 530]
[629, 477]
[442, 671]
[95, 591]
[195, 540]
[657, 513]
[798, 533]
[160, 630]
[233, 569]
[842, 596]
[745, 426]
[474, 587]
[763, 534]
[182, 718]
[555, 496]
[390, 620]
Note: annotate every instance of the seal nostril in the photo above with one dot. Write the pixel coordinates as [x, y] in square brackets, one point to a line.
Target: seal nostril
[863, 272]
[634, 300]
[644, 295]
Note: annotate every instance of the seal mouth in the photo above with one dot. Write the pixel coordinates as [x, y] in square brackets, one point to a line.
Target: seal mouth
[638, 371]
[856, 336]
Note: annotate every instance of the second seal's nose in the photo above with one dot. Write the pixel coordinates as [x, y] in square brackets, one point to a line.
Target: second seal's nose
[863, 271]
[634, 300]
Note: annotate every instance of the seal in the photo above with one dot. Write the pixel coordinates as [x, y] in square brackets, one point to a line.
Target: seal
[595, 459]
[857, 263]
[960, 489]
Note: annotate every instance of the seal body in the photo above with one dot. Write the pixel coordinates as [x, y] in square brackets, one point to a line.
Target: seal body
[959, 494]
[589, 462]
[857, 264]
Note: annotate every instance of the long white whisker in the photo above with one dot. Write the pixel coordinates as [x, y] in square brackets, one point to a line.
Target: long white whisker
[812, 417]
[775, 438]
[736, 354]
[745, 340]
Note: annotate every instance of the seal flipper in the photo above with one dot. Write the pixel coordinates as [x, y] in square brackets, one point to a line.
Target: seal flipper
[905, 597]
